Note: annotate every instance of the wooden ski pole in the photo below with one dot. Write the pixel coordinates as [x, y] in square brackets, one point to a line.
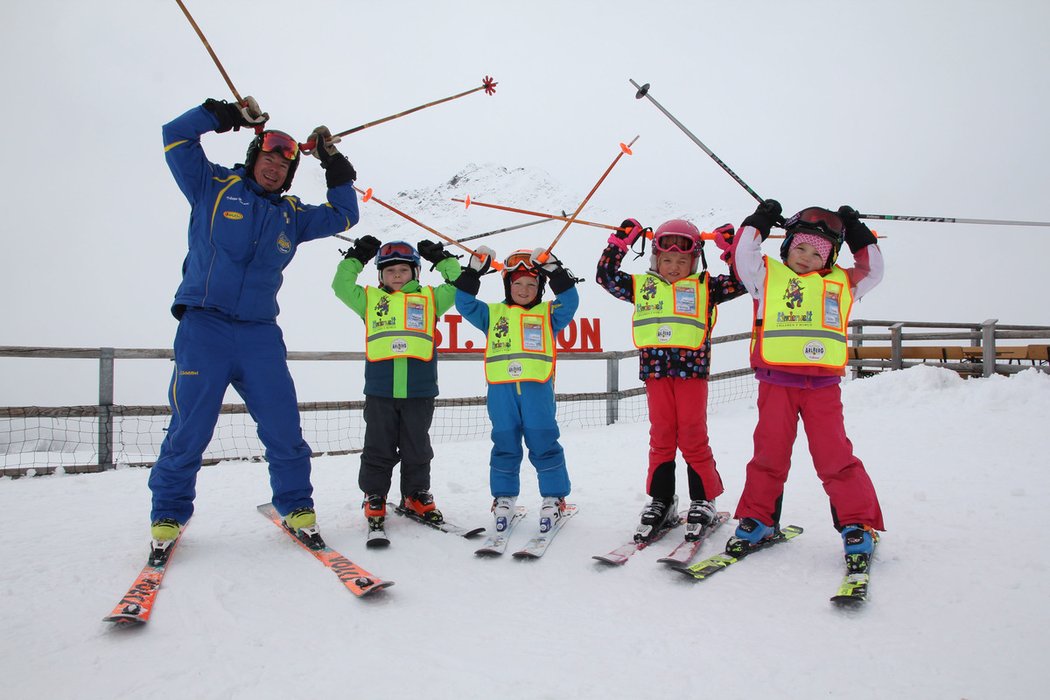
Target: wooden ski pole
[367, 195]
[624, 148]
[214, 58]
[488, 84]
[469, 202]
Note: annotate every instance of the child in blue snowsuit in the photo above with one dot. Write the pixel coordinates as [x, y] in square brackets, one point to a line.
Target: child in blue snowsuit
[519, 369]
[242, 234]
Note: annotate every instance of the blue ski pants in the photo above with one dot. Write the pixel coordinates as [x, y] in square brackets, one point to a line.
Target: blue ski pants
[212, 352]
[525, 411]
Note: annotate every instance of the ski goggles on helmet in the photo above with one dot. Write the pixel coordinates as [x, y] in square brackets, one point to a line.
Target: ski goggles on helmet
[397, 249]
[675, 243]
[519, 260]
[818, 220]
[279, 142]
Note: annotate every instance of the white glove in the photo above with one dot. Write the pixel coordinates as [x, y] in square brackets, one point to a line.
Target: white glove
[250, 111]
[482, 259]
[549, 265]
[324, 143]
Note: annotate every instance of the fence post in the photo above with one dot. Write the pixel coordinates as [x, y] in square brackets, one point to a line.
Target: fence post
[988, 346]
[105, 409]
[856, 342]
[896, 347]
[612, 387]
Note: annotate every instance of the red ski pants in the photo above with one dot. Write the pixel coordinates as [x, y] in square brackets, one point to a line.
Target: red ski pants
[678, 421]
[853, 498]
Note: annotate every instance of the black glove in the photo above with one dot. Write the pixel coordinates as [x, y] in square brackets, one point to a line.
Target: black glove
[433, 252]
[858, 235]
[469, 281]
[364, 249]
[234, 116]
[559, 276]
[767, 213]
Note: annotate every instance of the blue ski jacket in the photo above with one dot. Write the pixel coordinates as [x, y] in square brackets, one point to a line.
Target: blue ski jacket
[240, 236]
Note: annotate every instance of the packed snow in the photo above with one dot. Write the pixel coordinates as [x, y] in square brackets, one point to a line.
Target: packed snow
[957, 605]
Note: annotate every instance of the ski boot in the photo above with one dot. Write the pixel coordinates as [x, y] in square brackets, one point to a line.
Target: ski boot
[503, 511]
[859, 543]
[750, 534]
[657, 515]
[550, 512]
[375, 513]
[421, 504]
[163, 533]
[701, 514]
[302, 522]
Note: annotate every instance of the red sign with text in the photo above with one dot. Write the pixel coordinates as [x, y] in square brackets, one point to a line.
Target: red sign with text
[581, 335]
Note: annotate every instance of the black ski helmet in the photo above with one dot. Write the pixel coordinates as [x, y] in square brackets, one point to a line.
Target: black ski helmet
[270, 141]
[396, 252]
[817, 220]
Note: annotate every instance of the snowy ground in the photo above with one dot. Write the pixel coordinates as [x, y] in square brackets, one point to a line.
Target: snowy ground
[961, 468]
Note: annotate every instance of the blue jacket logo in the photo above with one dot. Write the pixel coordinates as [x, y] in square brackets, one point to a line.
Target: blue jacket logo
[284, 244]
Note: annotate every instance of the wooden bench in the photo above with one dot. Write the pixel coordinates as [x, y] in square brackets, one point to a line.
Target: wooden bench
[908, 352]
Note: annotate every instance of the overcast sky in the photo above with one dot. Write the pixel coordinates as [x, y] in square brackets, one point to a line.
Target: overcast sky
[896, 107]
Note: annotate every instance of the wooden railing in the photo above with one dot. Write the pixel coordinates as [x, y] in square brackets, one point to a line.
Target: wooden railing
[971, 349]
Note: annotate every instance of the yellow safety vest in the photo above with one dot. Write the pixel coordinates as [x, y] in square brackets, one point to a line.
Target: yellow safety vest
[520, 344]
[670, 315]
[399, 324]
[806, 318]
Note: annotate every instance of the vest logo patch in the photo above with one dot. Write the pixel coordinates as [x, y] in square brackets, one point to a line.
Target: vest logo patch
[284, 244]
[233, 215]
[649, 288]
[514, 369]
[664, 334]
[383, 306]
[399, 346]
[793, 293]
[502, 327]
[814, 350]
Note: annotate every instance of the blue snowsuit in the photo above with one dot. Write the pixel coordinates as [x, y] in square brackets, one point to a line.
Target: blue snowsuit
[524, 410]
[240, 240]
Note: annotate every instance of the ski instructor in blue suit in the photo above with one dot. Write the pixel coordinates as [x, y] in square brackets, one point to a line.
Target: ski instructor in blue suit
[243, 232]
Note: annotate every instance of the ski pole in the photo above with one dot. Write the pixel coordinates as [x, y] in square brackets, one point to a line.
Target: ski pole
[949, 220]
[468, 201]
[643, 91]
[214, 58]
[502, 230]
[705, 235]
[624, 148]
[488, 84]
[367, 195]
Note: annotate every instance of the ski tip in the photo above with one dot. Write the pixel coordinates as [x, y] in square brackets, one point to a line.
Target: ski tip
[373, 586]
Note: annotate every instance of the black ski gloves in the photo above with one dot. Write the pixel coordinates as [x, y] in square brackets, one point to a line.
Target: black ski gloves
[234, 116]
[767, 213]
[858, 235]
[433, 252]
[558, 276]
[364, 249]
[480, 263]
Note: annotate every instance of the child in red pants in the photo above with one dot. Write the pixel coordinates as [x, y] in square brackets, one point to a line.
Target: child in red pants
[674, 312]
[799, 352]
